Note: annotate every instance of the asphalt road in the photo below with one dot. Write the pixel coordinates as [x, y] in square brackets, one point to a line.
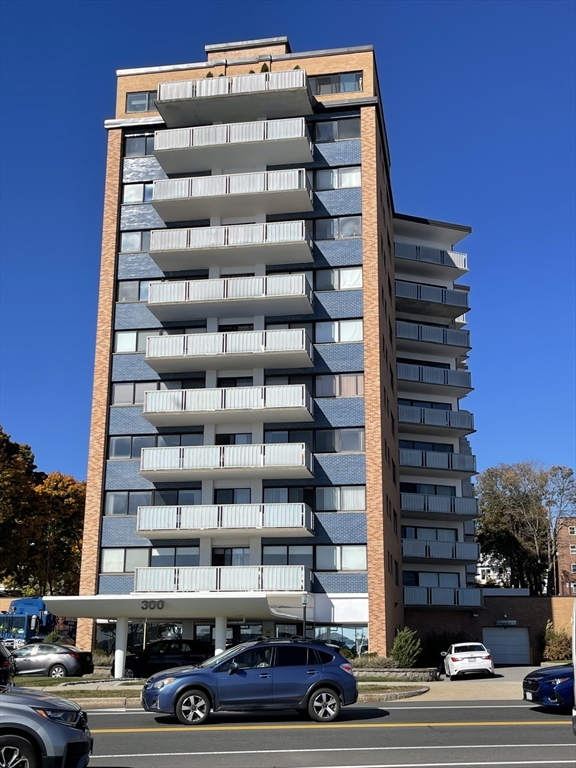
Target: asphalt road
[403, 734]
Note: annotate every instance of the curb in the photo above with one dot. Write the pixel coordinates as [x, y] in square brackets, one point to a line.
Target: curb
[390, 696]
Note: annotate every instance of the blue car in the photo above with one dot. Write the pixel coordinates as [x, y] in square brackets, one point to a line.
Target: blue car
[308, 676]
[551, 686]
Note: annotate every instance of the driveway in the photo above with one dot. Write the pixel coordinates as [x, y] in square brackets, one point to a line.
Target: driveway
[505, 685]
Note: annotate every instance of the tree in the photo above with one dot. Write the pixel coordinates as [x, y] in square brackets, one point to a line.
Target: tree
[406, 648]
[519, 506]
[41, 522]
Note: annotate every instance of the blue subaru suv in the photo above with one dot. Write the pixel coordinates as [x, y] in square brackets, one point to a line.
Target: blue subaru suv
[308, 676]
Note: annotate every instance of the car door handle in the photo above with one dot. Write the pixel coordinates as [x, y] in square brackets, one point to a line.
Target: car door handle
[265, 675]
[311, 672]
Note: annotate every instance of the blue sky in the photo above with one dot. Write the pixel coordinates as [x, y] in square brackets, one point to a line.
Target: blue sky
[479, 103]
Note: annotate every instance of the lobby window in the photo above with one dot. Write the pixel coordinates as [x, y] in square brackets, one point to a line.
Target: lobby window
[141, 101]
[139, 146]
[340, 279]
[343, 82]
[336, 130]
[338, 229]
[334, 331]
[133, 290]
[340, 385]
[341, 498]
[123, 560]
[135, 242]
[137, 193]
[337, 178]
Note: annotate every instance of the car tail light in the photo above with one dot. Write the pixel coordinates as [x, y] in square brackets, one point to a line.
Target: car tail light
[74, 655]
[487, 657]
[5, 663]
[455, 658]
[346, 668]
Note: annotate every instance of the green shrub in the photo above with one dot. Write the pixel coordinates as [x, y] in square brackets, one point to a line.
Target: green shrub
[373, 661]
[557, 644]
[406, 648]
[101, 658]
[53, 637]
[347, 653]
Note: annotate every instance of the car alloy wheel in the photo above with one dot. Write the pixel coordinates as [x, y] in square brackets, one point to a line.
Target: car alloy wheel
[58, 671]
[129, 673]
[16, 752]
[324, 705]
[193, 708]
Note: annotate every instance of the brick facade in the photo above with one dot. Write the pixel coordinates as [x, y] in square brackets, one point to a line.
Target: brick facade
[566, 557]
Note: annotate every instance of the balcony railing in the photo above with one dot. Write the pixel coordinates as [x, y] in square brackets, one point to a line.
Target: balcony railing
[232, 194]
[423, 374]
[240, 578]
[239, 296]
[443, 505]
[233, 145]
[235, 349]
[440, 550]
[275, 519]
[430, 299]
[174, 407]
[424, 335]
[434, 256]
[457, 462]
[236, 97]
[469, 598]
[211, 461]
[459, 421]
[281, 242]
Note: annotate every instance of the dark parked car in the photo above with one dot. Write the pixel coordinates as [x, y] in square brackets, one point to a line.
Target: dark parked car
[551, 686]
[39, 730]
[7, 670]
[308, 676]
[52, 660]
[165, 654]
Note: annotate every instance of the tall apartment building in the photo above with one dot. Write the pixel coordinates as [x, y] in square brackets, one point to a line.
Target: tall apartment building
[276, 432]
[565, 565]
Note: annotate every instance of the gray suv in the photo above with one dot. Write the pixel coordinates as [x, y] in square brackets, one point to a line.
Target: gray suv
[39, 730]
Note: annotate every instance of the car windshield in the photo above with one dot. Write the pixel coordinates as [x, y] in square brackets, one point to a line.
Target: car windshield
[470, 648]
[211, 662]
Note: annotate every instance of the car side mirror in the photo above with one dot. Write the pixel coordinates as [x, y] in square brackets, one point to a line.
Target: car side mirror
[233, 668]
[443, 653]
[487, 650]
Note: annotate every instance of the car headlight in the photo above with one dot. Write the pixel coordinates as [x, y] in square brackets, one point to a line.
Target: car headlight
[558, 680]
[64, 716]
[161, 683]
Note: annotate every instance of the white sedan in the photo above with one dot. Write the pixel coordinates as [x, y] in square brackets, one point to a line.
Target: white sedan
[467, 659]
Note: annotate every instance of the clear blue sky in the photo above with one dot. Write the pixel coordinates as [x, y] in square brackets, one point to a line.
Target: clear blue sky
[479, 101]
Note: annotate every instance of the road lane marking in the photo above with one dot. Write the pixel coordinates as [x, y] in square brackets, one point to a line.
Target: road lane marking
[331, 749]
[317, 726]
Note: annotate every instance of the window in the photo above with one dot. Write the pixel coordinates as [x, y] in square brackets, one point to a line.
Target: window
[120, 560]
[347, 440]
[236, 381]
[337, 178]
[572, 530]
[573, 549]
[139, 145]
[336, 130]
[288, 555]
[340, 385]
[426, 579]
[127, 447]
[168, 557]
[134, 242]
[132, 392]
[573, 567]
[141, 101]
[137, 193]
[342, 279]
[289, 495]
[345, 557]
[127, 502]
[339, 331]
[574, 589]
[419, 445]
[254, 658]
[427, 489]
[232, 496]
[231, 556]
[133, 290]
[425, 404]
[338, 229]
[236, 438]
[425, 363]
[341, 498]
[429, 534]
[292, 656]
[135, 341]
[343, 82]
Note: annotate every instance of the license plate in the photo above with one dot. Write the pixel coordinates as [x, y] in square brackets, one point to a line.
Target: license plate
[528, 695]
[472, 659]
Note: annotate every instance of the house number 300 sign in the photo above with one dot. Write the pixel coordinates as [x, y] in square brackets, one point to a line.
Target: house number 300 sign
[152, 605]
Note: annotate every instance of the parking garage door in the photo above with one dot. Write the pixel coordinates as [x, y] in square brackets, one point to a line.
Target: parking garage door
[508, 645]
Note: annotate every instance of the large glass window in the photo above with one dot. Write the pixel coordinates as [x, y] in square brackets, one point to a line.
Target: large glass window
[332, 331]
[341, 498]
[126, 447]
[141, 101]
[133, 242]
[338, 228]
[421, 445]
[231, 556]
[120, 560]
[336, 130]
[341, 279]
[137, 193]
[338, 178]
[139, 146]
[430, 579]
[342, 82]
[232, 496]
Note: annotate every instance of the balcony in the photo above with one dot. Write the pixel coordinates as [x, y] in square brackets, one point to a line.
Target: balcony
[424, 507]
[431, 262]
[412, 462]
[290, 348]
[294, 520]
[239, 97]
[430, 300]
[445, 596]
[232, 578]
[279, 461]
[183, 407]
[429, 421]
[426, 379]
[439, 551]
[232, 194]
[178, 300]
[235, 145]
[282, 242]
[431, 339]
